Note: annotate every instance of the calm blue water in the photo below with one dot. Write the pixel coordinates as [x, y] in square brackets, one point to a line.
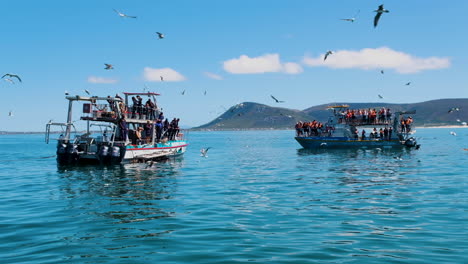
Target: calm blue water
[257, 197]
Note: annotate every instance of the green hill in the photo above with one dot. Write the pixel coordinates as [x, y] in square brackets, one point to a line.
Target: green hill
[251, 115]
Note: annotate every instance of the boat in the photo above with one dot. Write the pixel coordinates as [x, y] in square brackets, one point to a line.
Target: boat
[113, 133]
[345, 129]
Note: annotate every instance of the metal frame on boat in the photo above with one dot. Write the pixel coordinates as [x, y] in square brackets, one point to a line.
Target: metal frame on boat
[115, 141]
[341, 133]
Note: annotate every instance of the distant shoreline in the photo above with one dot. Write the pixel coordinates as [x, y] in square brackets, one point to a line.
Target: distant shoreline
[232, 129]
[451, 126]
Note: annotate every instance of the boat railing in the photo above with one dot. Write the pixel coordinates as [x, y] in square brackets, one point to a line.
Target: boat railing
[360, 122]
[63, 128]
[141, 112]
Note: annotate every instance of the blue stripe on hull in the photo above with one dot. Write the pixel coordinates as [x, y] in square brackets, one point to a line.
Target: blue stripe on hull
[343, 142]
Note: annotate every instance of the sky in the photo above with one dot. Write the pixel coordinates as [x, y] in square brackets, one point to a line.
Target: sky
[237, 51]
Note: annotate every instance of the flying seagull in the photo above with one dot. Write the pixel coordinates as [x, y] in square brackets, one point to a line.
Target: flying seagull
[124, 15]
[162, 78]
[382, 71]
[381, 97]
[204, 152]
[86, 91]
[160, 35]
[183, 92]
[12, 76]
[453, 133]
[453, 109]
[408, 83]
[379, 11]
[204, 93]
[108, 66]
[276, 100]
[327, 54]
[351, 19]
[10, 113]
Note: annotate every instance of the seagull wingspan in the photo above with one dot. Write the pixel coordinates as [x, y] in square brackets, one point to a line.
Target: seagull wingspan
[376, 18]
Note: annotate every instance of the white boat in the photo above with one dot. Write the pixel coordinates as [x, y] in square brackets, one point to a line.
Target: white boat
[342, 132]
[113, 132]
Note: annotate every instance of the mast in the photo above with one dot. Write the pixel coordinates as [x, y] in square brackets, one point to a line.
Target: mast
[69, 120]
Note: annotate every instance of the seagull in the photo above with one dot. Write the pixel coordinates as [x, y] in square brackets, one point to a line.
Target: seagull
[379, 11]
[458, 120]
[108, 66]
[351, 19]
[162, 79]
[381, 97]
[149, 164]
[276, 100]
[453, 109]
[12, 76]
[160, 35]
[183, 92]
[323, 144]
[204, 93]
[327, 54]
[408, 83]
[453, 133]
[204, 152]
[86, 91]
[124, 15]
[382, 71]
[10, 113]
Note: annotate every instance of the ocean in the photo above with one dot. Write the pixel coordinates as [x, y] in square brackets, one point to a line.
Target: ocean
[257, 198]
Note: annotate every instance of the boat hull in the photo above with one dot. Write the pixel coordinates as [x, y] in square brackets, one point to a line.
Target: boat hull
[344, 142]
[123, 154]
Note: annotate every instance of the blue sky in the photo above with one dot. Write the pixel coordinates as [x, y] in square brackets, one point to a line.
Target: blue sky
[235, 50]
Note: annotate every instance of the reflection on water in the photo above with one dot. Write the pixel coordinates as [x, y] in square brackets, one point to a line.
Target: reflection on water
[131, 196]
[135, 187]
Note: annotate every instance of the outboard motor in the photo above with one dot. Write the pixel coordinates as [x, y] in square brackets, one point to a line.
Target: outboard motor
[61, 149]
[115, 154]
[103, 154]
[72, 153]
[62, 153]
[104, 151]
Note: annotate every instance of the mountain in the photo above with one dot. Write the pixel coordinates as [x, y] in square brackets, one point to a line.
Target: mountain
[251, 115]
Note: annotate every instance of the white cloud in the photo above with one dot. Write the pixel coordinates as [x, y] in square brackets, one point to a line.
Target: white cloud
[379, 58]
[292, 68]
[262, 64]
[213, 76]
[95, 79]
[168, 74]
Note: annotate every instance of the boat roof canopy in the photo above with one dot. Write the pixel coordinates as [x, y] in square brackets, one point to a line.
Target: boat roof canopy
[337, 106]
[91, 99]
[147, 93]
